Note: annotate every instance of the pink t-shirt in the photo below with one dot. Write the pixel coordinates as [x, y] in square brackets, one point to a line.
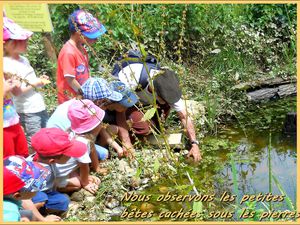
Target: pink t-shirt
[71, 63]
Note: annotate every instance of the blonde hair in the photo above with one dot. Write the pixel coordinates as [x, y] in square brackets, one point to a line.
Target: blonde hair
[91, 140]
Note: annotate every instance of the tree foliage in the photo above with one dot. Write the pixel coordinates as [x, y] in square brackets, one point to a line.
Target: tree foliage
[215, 46]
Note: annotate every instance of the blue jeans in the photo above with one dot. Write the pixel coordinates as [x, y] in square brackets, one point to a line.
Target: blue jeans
[32, 123]
[101, 152]
[53, 200]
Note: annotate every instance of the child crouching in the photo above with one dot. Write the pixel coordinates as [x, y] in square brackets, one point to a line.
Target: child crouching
[85, 118]
[22, 181]
[54, 147]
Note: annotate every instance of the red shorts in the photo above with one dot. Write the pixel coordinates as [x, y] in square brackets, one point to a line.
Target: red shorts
[14, 141]
[141, 127]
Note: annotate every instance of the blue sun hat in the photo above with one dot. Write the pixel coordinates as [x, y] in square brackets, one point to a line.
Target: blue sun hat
[86, 23]
[129, 97]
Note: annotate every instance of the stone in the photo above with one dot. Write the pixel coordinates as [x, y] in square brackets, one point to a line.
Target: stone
[117, 211]
[73, 208]
[163, 189]
[185, 152]
[145, 180]
[80, 195]
[147, 207]
[90, 198]
[194, 108]
[77, 196]
[86, 193]
[125, 168]
[107, 211]
[112, 203]
[135, 182]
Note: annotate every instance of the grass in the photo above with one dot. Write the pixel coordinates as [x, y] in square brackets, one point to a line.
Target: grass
[270, 167]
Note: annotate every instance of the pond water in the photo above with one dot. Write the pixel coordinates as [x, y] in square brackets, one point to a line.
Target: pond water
[252, 162]
[247, 148]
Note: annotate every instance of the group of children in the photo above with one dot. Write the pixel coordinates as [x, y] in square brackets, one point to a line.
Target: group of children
[47, 157]
[44, 158]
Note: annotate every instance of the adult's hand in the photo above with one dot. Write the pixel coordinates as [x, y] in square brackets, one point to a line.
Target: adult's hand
[195, 153]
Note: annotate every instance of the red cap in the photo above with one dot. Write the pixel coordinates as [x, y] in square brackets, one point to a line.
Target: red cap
[54, 142]
[11, 182]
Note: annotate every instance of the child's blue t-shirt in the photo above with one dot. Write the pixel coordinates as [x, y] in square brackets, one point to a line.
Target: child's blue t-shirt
[59, 118]
[11, 211]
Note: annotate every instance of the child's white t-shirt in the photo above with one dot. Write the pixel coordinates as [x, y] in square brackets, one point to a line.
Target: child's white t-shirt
[31, 101]
[73, 163]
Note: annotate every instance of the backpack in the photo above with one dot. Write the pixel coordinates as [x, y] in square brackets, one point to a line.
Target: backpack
[150, 60]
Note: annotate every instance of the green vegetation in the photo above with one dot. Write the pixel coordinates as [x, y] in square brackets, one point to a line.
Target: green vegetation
[212, 47]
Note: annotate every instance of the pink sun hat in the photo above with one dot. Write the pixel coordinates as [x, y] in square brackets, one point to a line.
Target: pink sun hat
[13, 31]
[84, 116]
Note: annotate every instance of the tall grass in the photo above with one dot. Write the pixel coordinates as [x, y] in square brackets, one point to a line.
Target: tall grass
[235, 180]
[270, 167]
[272, 178]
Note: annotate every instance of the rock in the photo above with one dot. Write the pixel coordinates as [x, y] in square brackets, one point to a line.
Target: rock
[80, 195]
[147, 207]
[262, 94]
[135, 182]
[107, 211]
[122, 166]
[145, 181]
[77, 196]
[117, 211]
[90, 198]
[73, 208]
[125, 168]
[287, 90]
[111, 202]
[185, 152]
[163, 189]
[86, 193]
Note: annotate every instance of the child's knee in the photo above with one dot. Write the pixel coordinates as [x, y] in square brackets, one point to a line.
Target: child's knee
[58, 202]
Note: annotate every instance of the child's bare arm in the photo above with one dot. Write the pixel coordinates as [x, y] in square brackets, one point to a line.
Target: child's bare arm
[73, 83]
[28, 204]
[94, 158]
[85, 181]
[107, 139]
[12, 85]
[84, 174]
[38, 83]
[20, 90]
